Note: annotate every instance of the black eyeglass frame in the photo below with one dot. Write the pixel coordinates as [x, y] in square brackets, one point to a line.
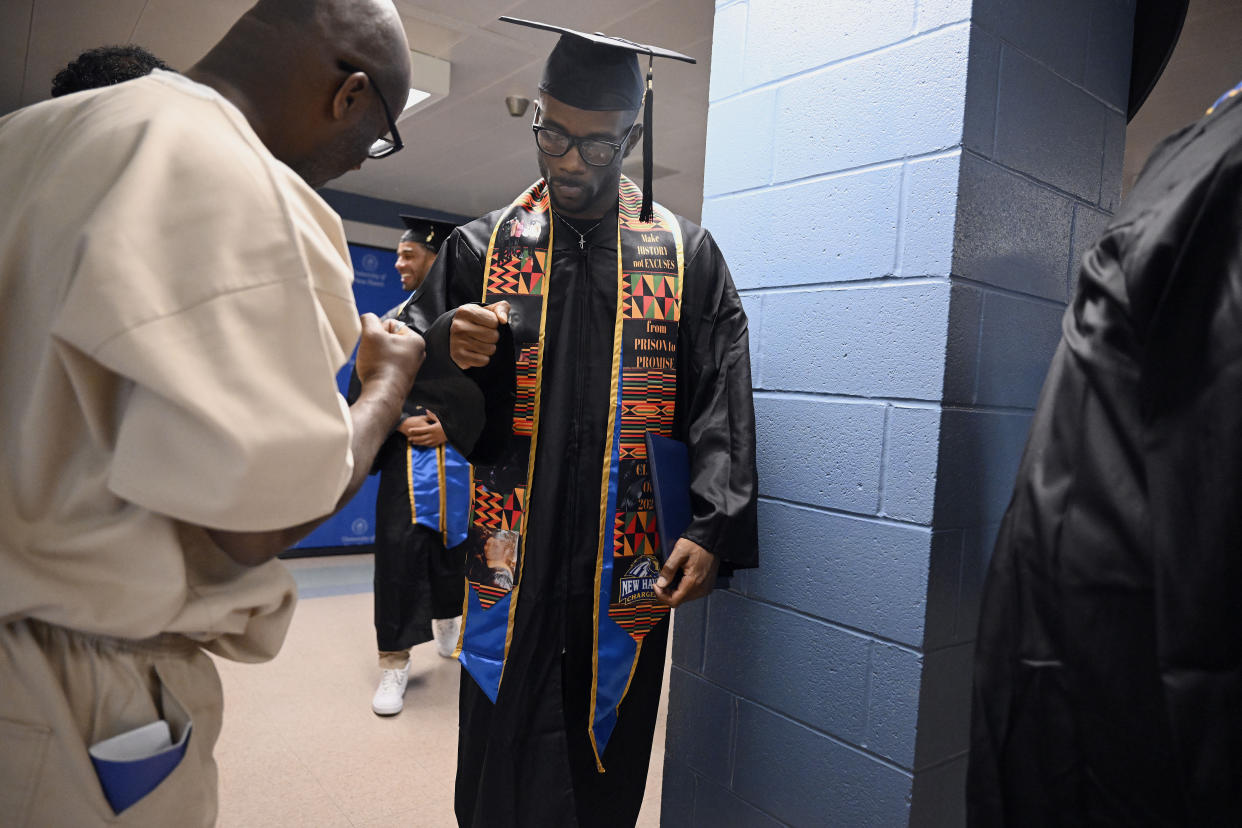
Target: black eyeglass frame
[389, 147]
[575, 141]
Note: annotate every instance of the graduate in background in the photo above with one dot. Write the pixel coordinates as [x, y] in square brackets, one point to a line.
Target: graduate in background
[1108, 669]
[618, 317]
[420, 514]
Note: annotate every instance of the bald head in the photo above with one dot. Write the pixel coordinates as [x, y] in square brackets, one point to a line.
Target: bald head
[312, 77]
[367, 34]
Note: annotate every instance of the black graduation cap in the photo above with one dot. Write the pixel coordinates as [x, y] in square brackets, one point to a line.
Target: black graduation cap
[599, 72]
[428, 231]
[1157, 26]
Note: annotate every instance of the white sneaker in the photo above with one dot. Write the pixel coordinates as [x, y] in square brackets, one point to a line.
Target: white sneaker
[446, 632]
[389, 696]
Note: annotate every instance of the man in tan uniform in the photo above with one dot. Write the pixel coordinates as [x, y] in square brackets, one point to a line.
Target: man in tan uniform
[175, 301]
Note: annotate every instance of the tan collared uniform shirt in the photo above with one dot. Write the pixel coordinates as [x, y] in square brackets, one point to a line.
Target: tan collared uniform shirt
[174, 305]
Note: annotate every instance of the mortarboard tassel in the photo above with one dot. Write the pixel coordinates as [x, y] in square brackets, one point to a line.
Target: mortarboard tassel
[647, 212]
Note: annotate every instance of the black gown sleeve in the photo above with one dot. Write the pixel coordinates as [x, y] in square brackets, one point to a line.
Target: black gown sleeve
[716, 412]
[1192, 383]
[475, 406]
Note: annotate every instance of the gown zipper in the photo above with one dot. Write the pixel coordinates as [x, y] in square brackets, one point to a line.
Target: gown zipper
[581, 305]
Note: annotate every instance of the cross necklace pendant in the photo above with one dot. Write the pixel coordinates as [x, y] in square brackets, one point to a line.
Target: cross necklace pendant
[581, 236]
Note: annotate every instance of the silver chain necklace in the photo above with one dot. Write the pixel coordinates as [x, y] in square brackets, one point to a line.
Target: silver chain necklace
[581, 236]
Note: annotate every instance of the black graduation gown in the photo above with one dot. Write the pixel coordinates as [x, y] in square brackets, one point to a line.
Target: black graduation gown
[1108, 670]
[527, 760]
[416, 579]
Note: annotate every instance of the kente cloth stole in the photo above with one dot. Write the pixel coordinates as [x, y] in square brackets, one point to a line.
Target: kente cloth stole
[650, 266]
[438, 481]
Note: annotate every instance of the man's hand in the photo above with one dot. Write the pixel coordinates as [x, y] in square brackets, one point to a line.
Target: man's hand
[389, 352]
[697, 568]
[423, 430]
[474, 334]
[389, 355]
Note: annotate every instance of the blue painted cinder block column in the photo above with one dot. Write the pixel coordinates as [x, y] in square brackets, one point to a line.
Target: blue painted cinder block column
[901, 188]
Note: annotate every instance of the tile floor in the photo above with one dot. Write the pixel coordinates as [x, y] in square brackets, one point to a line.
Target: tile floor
[300, 745]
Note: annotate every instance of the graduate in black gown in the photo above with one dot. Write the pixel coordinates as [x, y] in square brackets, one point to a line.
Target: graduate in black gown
[1108, 670]
[420, 513]
[567, 617]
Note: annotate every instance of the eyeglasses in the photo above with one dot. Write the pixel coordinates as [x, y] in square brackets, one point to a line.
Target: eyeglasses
[596, 152]
[390, 143]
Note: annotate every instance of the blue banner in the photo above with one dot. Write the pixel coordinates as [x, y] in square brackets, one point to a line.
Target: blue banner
[377, 289]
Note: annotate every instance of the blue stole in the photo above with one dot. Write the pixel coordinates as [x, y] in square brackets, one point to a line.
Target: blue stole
[438, 480]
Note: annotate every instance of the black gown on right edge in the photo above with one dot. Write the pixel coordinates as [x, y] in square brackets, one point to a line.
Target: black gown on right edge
[1108, 670]
[527, 760]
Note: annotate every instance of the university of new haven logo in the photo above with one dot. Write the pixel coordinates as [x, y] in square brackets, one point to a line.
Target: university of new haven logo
[638, 583]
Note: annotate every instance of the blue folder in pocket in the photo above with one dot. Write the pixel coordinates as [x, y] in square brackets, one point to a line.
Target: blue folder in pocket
[670, 480]
[132, 764]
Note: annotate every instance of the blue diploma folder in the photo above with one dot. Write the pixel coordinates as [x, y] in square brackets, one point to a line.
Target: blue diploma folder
[670, 478]
[133, 764]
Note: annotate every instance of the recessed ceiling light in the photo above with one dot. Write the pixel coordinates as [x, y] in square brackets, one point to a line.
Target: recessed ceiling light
[417, 96]
[429, 83]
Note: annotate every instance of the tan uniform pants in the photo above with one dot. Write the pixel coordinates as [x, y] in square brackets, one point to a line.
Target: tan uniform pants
[61, 691]
[393, 660]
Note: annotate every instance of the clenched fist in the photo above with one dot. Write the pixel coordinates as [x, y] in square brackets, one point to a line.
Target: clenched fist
[475, 332]
[389, 352]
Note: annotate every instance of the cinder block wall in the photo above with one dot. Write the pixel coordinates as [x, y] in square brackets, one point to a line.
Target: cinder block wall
[833, 144]
[876, 178]
[1040, 175]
